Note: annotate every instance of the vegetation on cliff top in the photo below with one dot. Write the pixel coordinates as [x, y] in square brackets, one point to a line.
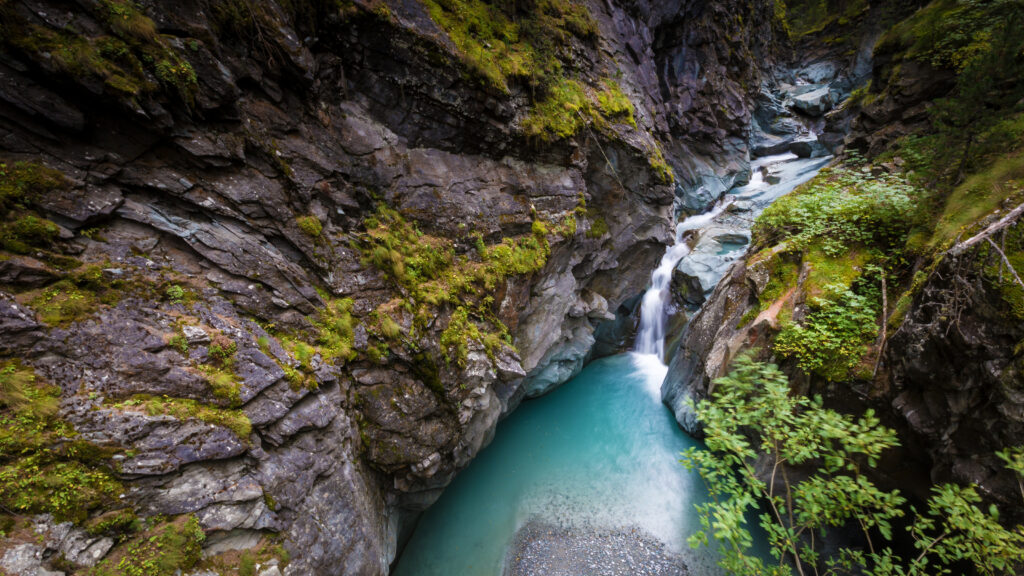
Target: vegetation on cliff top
[876, 227]
[531, 43]
[752, 413]
[842, 228]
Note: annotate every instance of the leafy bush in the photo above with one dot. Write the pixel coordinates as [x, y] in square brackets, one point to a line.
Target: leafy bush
[843, 207]
[757, 430]
[834, 337]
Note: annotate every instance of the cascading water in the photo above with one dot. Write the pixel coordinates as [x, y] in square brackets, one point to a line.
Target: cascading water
[650, 337]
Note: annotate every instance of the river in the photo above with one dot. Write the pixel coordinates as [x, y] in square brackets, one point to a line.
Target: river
[601, 451]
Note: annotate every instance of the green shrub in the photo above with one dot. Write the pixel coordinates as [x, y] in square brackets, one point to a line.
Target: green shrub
[176, 294]
[757, 430]
[843, 207]
[834, 337]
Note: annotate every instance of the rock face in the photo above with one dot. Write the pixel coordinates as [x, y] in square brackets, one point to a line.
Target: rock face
[956, 372]
[217, 193]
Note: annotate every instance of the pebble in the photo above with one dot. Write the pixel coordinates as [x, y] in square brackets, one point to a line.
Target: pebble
[541, 549]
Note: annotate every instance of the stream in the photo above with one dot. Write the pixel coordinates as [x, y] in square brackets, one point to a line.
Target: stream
[600, 453]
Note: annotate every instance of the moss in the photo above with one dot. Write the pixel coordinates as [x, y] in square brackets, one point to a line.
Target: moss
[183, 409]
[22, 230]
[614, 104]
[388, 328]
[26, 232]
[43, 467]
[310, 225]
[64, 303]
[826, 271]
[598, 228]
[979, 195]
[563, 113]
[263, 343]
[656, 160]
[132, 60]
[336, 329]
[805, 17]
[179, 343]
[128, 21]
[21, 183]
[116, 523]
[501, 42]
[223, 383]
[426, 269]
[166, 549]
[748, 317]
[782, 275]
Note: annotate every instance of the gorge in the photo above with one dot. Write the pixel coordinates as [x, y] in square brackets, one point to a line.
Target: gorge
[348, 286]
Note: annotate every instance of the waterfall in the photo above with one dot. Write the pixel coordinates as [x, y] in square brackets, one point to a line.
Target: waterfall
[650, 337]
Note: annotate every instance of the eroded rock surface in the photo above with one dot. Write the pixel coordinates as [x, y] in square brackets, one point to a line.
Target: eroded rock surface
[214, 221]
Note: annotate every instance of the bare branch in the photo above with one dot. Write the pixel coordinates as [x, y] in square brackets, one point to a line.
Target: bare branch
[988, 231]
[1007, 261]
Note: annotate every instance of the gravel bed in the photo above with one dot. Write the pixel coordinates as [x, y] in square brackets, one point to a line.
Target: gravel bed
[541, 549]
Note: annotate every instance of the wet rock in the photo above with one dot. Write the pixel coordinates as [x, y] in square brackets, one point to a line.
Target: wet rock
[814, 102]
[25, 560]
[25, 272]
[74, 544]
[956, 378]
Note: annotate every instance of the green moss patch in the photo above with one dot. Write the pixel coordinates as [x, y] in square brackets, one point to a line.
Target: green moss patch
[430, 275]
[130, 59]
[184, 409]
[310, 226]
[44, 468]
[979, 195]
[505, 41]
[165, 549]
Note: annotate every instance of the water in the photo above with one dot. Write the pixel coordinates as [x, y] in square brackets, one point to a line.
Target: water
[650, 335]
[601, 450]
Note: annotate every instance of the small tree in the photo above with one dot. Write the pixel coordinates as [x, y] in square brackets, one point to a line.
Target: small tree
[803, 467]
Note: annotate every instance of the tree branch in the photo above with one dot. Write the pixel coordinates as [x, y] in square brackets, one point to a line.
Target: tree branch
[988, 231]
[1007, 261]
